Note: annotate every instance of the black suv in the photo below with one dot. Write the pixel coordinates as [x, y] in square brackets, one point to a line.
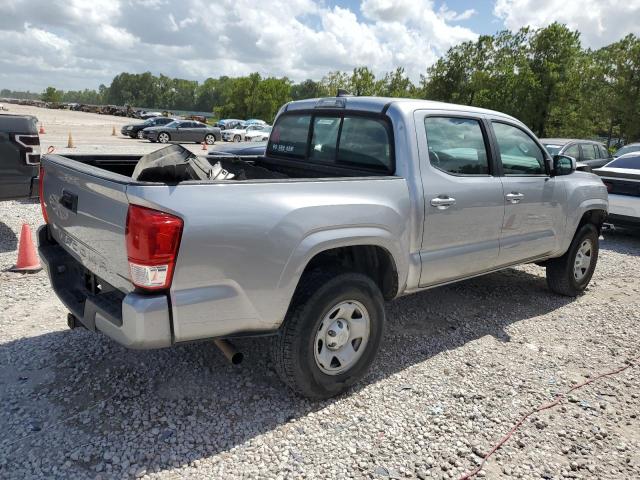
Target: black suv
[135, 130]
[591, 153]
[19, 156]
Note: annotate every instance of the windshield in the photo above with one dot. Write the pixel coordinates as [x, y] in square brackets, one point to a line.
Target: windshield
[553, 149]
[631, 162]
[627, 149]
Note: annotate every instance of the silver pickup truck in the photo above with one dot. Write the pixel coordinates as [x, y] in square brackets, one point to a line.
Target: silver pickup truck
[356, 201]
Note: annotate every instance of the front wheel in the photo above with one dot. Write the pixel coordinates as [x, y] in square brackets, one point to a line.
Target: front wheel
[331, 334]
[164, 137]
[236, 138]
[570, 274]
[210, 139]
[140, 135]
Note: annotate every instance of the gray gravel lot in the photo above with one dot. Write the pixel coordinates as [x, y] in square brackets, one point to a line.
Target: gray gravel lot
[458, 367]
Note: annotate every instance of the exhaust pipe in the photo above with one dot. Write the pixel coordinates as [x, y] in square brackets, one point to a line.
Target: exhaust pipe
[229, 350]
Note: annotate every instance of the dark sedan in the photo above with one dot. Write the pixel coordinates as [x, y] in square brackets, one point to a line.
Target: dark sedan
[183, 131]
[134, 130]
[588, 152]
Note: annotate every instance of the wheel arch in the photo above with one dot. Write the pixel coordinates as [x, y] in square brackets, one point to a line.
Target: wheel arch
[371, 251]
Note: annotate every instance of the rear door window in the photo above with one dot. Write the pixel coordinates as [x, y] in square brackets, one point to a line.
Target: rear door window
[456, 145]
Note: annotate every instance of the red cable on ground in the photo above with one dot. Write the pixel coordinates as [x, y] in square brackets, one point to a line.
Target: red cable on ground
[556, 402]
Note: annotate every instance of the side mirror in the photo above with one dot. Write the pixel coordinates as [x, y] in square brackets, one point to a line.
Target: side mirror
[563, 165]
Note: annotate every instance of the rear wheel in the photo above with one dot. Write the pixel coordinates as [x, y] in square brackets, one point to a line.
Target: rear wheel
[236, 138]
[164, 137]
[331, 334]
[210, 139]
[570, 274]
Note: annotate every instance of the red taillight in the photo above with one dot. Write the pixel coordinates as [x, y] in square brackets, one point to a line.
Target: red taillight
[153, 239]
[43, 204]
[609, 186]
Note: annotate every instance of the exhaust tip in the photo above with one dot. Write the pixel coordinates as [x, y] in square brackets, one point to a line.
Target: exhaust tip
[229, 350]
[237, 358]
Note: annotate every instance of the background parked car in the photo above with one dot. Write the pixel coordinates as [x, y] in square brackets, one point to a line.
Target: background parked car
[622, 179]
[259, 134]
[238, 134]
[183, 131]
[588, 152]
[632, 147]
[255, 121]
[229, 123]
[134, 130]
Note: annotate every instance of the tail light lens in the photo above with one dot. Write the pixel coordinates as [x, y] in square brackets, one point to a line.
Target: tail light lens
[153, 239]
[30, 147]
[609, 186]
[43, 204]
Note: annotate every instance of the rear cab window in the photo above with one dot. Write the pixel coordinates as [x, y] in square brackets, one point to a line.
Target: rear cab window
[344, 140]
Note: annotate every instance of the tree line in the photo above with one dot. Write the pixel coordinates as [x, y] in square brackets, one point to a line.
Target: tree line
[541, 76]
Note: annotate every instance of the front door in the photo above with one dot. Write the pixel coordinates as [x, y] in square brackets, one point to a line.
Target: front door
[534, 218]
[463, 198]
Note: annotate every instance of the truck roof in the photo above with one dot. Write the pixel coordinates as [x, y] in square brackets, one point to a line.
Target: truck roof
[380, 104]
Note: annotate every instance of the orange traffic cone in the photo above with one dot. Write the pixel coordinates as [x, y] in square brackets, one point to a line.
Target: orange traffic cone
[41, 131]
[28, 260]
[204, 145]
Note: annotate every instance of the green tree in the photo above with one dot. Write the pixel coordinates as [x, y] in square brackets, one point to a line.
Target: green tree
[362, 82]
[52, 95]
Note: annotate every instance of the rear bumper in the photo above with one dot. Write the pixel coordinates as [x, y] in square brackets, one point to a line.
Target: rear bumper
[134, 320]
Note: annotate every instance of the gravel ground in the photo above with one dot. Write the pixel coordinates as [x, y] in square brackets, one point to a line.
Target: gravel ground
[458, 367]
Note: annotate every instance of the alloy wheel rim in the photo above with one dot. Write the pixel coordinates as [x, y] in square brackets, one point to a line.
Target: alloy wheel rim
[342, 337]
[583, 260]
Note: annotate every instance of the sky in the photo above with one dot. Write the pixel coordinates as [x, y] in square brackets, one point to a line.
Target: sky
[76, 44]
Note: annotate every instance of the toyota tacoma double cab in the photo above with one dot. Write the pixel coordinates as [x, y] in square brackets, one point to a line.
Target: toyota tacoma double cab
[356, 201]
[19, 156]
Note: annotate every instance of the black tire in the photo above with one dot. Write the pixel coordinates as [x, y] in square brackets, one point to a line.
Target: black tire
[560, 271]
[292, 350]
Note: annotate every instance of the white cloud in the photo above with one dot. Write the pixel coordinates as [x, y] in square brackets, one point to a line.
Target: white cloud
[78, 44]
[600, 22]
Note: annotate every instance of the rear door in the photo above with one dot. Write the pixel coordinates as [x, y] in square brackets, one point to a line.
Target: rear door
[534, 217]
[463, 198]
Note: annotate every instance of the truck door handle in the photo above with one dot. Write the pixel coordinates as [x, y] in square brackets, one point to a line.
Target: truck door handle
[442, 202]
[514, 197]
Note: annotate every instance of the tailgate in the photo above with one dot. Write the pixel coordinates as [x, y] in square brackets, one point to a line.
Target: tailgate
[87, 212]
